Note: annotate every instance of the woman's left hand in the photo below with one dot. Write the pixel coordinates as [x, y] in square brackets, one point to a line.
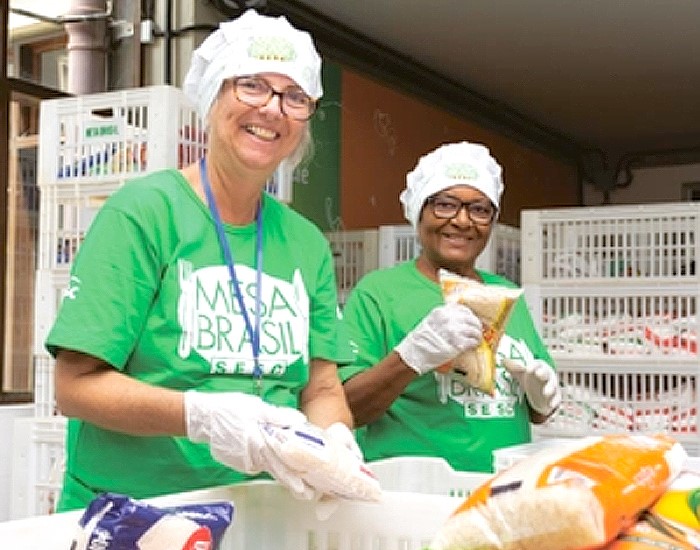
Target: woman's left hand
[540, 383]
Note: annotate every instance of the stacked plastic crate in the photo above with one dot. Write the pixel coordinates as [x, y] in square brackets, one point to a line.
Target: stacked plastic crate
[37, 465]
[88, 147]
[397, 243]
[354, 254]
[615, 290]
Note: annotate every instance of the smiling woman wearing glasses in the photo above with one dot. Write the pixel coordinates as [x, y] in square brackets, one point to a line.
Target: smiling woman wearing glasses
[403, 331]
[213, 313]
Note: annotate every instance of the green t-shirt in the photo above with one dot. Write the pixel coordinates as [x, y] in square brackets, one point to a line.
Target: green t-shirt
[436, 415]
[150, 294]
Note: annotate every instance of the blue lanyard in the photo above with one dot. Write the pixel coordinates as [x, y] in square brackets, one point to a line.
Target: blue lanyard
[254, 332]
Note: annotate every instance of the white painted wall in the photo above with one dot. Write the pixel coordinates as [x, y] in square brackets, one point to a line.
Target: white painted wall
[649, 185]
[8, 413]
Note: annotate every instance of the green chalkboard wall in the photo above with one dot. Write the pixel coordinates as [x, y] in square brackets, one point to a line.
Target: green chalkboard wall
[316, 191]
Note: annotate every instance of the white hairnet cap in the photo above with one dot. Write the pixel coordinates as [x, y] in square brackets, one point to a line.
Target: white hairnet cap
[452, 164]
[248, 45]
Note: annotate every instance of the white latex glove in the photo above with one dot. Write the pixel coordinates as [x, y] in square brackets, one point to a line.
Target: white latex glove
[326, 460]
[232, 424]
[540, 383]
[283, 474]
[326, 503]
[343, 435]
[444, 333]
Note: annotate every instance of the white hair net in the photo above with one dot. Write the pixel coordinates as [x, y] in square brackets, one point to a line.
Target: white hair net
[452, 164]
[248, 45]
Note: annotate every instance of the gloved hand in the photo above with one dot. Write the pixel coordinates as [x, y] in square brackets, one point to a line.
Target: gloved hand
[232, 424]
[539, 382]
[444, 333]
[326, 503]
[327, 460]
[343, 435]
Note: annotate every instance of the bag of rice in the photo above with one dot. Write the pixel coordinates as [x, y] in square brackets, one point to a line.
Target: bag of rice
[492, 305]
[565, 498]
[114, 521]
[327, 465]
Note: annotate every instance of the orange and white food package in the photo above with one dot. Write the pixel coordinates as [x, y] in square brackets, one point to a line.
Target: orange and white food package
[579, 495]
[492, 305]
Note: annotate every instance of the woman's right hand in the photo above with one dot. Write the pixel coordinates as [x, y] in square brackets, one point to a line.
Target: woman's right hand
[232, 423]
[444, 333]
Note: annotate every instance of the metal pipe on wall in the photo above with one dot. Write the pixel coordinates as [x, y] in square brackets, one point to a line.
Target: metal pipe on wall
[168, 41]
[87, 48]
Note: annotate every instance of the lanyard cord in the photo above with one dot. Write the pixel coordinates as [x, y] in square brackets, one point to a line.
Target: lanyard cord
[228, 258]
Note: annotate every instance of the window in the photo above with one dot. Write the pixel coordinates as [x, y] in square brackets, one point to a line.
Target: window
[40, 62]
[20, 243]
[28, 74]
[39, 59]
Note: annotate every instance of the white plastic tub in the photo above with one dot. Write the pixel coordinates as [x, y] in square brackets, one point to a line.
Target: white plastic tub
[267, 517]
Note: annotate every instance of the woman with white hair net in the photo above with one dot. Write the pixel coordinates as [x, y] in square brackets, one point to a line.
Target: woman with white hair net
[202, 319]
[403, 331]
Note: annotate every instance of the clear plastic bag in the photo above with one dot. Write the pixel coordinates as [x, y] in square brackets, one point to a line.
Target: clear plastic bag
[493, 306]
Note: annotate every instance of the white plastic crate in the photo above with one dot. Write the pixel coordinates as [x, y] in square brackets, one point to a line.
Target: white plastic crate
[621, 320]
[88, 147]
[508, 456]
[117, 135]
[44, 394]
[50, 286]
[354, 254]
[65, 214]
[502, 252]
[425, 475]
[91, 144]
[614, 293]
[38, 451]
[267, 517]
[398, 243]
[281, 184]
[626, 396]
[656, 242]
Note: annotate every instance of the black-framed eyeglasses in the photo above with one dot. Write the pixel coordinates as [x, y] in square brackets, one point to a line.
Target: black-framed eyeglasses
[255, 91]
[445, 207]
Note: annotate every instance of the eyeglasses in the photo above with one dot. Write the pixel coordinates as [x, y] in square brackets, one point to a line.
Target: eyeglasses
[257, 92]
[446, 208]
